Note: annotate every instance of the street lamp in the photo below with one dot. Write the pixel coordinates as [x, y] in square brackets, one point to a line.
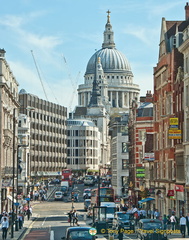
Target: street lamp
[13, 171]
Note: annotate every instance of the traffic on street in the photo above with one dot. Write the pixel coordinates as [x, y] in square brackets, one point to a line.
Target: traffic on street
[87, 209]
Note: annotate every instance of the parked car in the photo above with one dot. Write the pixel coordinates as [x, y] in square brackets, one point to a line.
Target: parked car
[58, 195]
[87, 203]
[150, 229]
[78, 233]
[87, 191]
[124, 220]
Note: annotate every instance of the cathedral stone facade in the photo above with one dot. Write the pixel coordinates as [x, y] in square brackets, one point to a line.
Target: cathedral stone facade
[117, 78]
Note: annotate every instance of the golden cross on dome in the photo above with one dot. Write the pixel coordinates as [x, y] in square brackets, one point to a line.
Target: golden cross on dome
[108, 12]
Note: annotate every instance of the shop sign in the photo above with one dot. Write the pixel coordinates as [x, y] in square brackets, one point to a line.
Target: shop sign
[173, 122]
[174, 134]
[149, 156]
[140, 172]
[179, 188]
[170, 193]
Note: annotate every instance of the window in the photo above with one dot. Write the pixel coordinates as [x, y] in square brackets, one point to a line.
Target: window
[124, 147]
[125, 163]
[20, 123]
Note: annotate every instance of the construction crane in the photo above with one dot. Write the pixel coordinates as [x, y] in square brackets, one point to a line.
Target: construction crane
[39, 74]
[74, 83]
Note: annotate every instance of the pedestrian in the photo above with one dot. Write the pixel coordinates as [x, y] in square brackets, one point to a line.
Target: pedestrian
[165, 222]
[28, 213]
[187, 223]
[156, 214]
[4, 226]
[75, 218]
[20, 220]
[183, 226]
[173, 221]
[120, 232]
[70, 216]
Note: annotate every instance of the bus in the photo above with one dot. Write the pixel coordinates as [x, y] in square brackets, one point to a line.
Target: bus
[67, 176]
[106, 195]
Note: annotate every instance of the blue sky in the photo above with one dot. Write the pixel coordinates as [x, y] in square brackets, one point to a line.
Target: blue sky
[71, 30]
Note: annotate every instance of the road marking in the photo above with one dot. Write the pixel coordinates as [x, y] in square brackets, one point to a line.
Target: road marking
[52, 235]
[44, 221]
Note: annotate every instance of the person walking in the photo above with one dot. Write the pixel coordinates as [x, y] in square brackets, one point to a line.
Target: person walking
[165, 222]
[28, 213]
[70, 216]
[75, 218]
[120, 232]
[173, 221]
[183, 226]
[4, 226]
[156, 214]
[187, 223]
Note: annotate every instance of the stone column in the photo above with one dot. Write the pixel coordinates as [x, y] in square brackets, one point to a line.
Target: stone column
[84, 99]
[123, 99]
[127, 99]
[111, 97]
[117, 97]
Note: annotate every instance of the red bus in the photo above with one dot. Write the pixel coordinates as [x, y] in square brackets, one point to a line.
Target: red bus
[67, 176]
[106, 195]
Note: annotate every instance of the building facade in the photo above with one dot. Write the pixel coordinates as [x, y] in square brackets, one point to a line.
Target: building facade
[23, 155]
[48, 135]
[83, 145]
[141, 153]
[119, 146]
[8, 131]
[168, 172]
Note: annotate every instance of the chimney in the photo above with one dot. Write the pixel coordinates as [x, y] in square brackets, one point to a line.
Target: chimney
[2, 53]
[187, 11]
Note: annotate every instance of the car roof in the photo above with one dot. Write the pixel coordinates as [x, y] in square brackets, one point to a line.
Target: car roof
[87, 189]
[70, 229]
[146, 220]
[87, 200]
[58, 192]
[123, 212]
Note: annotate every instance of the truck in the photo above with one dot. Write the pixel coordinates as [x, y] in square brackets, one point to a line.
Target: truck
[110, 211]
[64, 183]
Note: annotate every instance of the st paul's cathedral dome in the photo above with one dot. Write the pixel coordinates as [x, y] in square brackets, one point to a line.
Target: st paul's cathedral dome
[115, 75]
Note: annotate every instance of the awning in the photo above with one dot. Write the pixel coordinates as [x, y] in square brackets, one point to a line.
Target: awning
[146, 200]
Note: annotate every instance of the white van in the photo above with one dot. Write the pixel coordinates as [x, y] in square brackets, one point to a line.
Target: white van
[110, 211]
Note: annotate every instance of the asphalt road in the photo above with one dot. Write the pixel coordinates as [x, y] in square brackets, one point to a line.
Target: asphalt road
[52, 220]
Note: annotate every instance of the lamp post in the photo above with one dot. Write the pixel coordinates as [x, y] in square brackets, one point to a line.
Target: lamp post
[99, 187]
[13, 171]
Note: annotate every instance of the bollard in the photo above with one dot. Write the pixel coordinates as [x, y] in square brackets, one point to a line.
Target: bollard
[16, 225]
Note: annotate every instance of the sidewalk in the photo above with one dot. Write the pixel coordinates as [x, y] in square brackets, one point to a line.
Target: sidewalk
[18, 235]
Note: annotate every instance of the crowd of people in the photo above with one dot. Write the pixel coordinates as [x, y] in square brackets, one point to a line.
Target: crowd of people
[24, 211]
[7, 218]
[170, 221]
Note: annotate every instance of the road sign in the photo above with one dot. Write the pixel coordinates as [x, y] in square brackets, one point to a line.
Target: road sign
[92, 231]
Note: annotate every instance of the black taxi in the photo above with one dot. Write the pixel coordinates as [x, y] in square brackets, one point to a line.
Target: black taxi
[151, 229]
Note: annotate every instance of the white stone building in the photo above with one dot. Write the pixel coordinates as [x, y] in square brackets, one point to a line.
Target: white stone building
[83, 145]
[117, 79]
[8, 130]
